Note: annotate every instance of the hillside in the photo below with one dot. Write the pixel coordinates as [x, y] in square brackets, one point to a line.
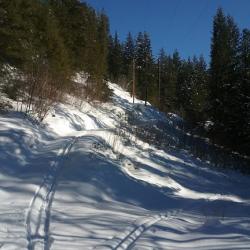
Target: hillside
[88, 178]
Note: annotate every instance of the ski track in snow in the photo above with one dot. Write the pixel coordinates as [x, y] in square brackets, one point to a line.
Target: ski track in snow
[38, 214]
[134, 232]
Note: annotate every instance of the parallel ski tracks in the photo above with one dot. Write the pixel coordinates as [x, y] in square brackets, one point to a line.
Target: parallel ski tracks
[38, 214]
[127, 239]
[134, 232]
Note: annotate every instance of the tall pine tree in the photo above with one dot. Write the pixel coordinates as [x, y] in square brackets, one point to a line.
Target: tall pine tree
[128, 56]
[115, 58]
[223, 68]
[244, 95]
[144, 65]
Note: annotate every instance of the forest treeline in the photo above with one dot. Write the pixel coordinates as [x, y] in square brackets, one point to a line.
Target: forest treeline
[218, 92]
[44, 43]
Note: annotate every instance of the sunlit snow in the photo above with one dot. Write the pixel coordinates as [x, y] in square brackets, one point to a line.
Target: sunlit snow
[74, 183]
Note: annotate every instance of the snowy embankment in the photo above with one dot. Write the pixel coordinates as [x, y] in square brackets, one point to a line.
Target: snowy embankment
[80, 181]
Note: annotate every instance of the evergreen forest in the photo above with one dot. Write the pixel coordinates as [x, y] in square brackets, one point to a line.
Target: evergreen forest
[45, 43]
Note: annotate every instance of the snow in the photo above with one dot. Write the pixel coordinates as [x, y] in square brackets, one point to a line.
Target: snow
[80, 78]
[74, 182]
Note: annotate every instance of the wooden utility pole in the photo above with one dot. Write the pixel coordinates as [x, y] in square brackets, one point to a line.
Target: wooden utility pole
[133, 91]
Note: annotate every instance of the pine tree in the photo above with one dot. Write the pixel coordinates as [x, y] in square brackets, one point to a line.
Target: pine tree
[162, 75]
[21, 33]
[218, 67]
[102, 90]
[115, 58]
[184, 83]
[72, 17]
[174, 69]
[56, 53]
[18, 30]
[244, 95]
[128, 56]
[198, 90]
[91, 44]
[223, 68]
[144, 63]
[169, 73]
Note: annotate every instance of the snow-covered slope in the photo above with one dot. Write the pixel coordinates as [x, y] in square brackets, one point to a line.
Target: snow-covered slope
[84, 180]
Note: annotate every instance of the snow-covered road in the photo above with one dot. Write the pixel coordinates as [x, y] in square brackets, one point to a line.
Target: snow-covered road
[38, 213]
[77, 184]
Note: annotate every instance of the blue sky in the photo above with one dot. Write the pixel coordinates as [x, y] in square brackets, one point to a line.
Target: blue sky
[185, 25]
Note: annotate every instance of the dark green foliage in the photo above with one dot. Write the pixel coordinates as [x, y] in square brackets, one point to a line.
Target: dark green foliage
[85, 35]
[172, 70]
[128, 56]
[115, 58]
[186, 87]
[172, 84]
[144, 66]
[183, 86]
[199, 90]
[192, 89]
[19, 33]
[223, 71]
[73, 21]
[243, 98]
[101, 90]
[48, 41]
[229, 83]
